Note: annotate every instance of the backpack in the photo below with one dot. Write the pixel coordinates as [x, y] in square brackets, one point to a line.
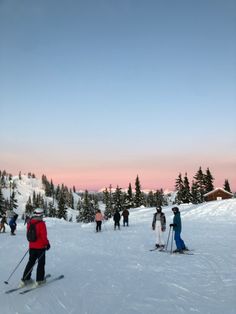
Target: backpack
[31, 233]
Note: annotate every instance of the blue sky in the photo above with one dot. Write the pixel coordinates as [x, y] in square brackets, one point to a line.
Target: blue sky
[96, 92]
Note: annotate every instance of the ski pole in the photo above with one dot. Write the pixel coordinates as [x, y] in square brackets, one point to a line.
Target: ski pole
[168, 238]
[34, 265]
[6, 282]
[171, 249]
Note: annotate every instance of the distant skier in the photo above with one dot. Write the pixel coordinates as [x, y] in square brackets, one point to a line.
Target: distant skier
[98, 219]
[159, 225]
[116, 219]
[125, 215]
[13, 224]
[36, 250]
[177, 227]
[2, 224]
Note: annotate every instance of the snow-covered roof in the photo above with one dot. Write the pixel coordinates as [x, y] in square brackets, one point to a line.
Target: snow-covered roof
[218, 189]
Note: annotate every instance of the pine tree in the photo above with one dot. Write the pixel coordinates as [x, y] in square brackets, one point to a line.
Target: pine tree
[151, 199]
[1, 202]
[159, 198]
[200, 182]
[208, 181]
[179, 187]
[138, 199]
[62, 209]
[129, 197]
[227, 186]
[51, 212]
[118, 199]
[195, 194]
[186, 195]
[108, 199]
[87, 212]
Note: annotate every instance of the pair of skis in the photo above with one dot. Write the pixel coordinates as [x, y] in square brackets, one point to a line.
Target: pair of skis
[31, 287]
[189, 252]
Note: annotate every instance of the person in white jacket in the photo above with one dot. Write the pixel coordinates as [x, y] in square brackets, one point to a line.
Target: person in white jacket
[159, 225]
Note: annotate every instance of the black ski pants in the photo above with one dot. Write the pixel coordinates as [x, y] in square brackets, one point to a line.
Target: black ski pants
[34, 255]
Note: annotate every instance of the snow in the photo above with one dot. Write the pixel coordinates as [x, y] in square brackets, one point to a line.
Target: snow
[114, 271]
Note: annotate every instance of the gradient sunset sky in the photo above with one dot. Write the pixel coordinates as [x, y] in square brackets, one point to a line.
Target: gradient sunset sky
[96, 92]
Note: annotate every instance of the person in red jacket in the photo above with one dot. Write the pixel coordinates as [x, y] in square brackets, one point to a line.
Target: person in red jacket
[36, 250]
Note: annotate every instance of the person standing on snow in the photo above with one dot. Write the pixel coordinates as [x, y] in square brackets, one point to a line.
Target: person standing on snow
[177, 227]
[13, 224]
[98, 219]
[36, 250]
[125, 215]
[159, 225]
[2, 224]
[116, 219]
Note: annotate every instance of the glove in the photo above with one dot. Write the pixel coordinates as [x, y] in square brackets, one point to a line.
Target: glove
[171, 225]
[48, 246]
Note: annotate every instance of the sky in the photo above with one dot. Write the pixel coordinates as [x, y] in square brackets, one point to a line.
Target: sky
[95, 93]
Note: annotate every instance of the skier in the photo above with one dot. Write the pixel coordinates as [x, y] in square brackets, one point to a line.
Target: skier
[3, 222]
[13, 224]
[116, 219]
[125, 215]
[98, 219]
[180, 245]
[159, 225]
[36, 250]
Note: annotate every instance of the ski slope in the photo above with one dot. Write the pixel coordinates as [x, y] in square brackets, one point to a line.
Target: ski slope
[113, 272]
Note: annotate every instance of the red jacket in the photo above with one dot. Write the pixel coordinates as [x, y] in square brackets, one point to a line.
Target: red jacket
[41, 230]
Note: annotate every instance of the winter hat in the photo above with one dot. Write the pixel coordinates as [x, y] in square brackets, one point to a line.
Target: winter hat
[38, 212]
[159, 208]
[175, 209]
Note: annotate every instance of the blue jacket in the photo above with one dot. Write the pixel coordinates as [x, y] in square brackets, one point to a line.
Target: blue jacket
[177, 222]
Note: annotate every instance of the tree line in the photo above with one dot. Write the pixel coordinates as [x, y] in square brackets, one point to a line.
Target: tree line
[56, 200]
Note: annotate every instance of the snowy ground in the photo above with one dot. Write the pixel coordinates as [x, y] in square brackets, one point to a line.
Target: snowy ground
[114, 272]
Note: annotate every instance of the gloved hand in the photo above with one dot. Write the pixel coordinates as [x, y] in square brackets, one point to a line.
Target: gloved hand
[171, 225]
[48, 246]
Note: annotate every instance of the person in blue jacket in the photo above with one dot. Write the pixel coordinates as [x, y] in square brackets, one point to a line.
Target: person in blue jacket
[13, 224]
[177, 227]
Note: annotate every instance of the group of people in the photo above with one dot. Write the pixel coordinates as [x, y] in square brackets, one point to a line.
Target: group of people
[40, 245]
[159, 225]
[116, 218]
[12, 223]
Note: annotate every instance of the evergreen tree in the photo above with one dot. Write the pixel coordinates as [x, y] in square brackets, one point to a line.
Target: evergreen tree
[151, 199]
[159, 198]
[129, 197]
[87, 212]
[2, 202]
[29, 207]
[118, 199]
[13, 201]
[208, 181]
[138, 199]
[62, 209]
[108, 199]
[195, 194]
[186, 195]
[51, 210]
[200, 183]
[227, 186]
[179, 187]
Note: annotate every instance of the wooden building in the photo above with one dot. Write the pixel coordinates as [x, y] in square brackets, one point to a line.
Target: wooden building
[217, 194]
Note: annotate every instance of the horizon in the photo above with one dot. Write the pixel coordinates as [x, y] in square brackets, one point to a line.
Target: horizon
[97, 92]
[124, 187]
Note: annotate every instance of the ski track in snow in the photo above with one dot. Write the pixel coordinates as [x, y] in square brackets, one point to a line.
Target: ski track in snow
[114, 271]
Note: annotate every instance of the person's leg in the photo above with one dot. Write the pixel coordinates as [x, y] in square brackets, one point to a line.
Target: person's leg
[30, 265]
[177, 240]
[41, 265]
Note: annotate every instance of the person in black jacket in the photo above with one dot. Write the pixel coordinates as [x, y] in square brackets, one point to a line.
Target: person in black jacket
[125, 215]
[116, 219]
